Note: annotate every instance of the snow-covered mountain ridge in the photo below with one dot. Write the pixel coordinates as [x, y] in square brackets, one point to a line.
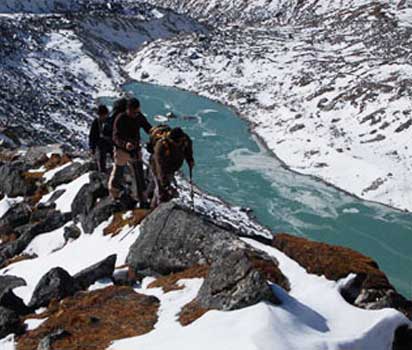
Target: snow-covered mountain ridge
[55, 64]
[327, 87]
[79, 270]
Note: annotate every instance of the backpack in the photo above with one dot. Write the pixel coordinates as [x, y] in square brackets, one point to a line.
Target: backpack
[157, 133]
[107, 128]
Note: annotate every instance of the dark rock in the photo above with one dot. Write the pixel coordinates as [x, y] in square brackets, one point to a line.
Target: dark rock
[173, 239]
[377, 299]
[403, 338]
[70, 173]
[12, 182]
[9, 323]
[103, 269]
[233, 283]
[55, 196]
[8, 299]
[126, 278]
[71, 232]
[17, 215]
[103, 210]
[47, 342]
[88, 195]
[52, 221]
[56, 284]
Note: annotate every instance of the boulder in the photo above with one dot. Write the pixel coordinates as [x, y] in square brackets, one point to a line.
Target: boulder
[70, 173]
[234, 283]
[12, 182]
[8, 299]
[17, 215]
[88, 195]
[103, 210]
[71, 232]
[9, 323]
[56, 284]
[103, 269]
[173, 239]
[52, 221]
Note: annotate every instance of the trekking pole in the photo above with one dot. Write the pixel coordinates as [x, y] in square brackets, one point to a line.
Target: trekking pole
[192, 192]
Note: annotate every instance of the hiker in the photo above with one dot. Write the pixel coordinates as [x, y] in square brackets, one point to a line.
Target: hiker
[99, 142]
[170, 148]
[126, 138]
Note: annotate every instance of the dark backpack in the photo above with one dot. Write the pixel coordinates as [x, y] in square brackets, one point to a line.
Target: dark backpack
[107, 128]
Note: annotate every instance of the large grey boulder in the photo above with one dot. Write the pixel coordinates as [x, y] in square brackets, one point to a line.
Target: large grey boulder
[56, 284]
[233, 283]
[103, 269]
[173, 239]
[12, 182]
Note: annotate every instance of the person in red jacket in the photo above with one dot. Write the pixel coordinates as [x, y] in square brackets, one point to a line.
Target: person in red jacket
[126, 139]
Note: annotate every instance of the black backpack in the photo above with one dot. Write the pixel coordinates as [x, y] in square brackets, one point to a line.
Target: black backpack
[107, 128]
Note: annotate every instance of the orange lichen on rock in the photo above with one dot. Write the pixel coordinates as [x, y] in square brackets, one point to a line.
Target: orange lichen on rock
[121, 220]
[169, 283]
[333, 262]
[191, 312]
[56, 160]
[93, 320]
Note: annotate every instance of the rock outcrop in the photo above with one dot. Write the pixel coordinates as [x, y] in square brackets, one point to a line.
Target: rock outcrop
[173, 239]
[56, 284]
[370, 289]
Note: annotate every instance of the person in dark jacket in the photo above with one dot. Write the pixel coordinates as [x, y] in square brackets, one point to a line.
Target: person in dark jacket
[126, 138]
[99, 143]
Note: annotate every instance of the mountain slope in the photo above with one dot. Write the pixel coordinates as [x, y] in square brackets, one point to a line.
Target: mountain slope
[58, 63]
[209, 277]
[326, 87]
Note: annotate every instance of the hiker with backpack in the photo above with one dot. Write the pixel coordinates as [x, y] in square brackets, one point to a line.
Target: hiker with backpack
[126, 138]
[169, 148]
[100, 143]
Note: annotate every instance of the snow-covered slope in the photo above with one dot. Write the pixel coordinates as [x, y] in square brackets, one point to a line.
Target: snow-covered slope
[327, 87]
[55, 64]
[312, 315]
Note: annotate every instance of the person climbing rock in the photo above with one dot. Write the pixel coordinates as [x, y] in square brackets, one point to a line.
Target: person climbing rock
[170, 149]
[100, 143]
[126, 138]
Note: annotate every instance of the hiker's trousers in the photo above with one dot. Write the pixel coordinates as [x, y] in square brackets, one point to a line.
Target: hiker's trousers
[123, 159]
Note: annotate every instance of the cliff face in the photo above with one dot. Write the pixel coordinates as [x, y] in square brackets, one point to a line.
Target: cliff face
[79, 270]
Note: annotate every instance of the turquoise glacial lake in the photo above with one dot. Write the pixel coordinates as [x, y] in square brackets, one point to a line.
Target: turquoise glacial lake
[233, 165]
